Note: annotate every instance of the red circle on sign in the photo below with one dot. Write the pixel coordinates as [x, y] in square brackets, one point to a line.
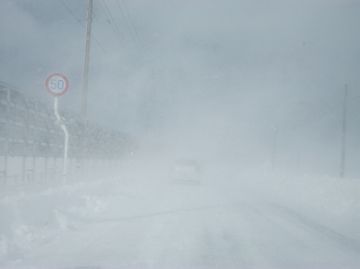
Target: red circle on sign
[52, 89]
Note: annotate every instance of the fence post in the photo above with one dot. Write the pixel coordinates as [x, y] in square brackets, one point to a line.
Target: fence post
[23, 168]
[46, 167]
[33, 168]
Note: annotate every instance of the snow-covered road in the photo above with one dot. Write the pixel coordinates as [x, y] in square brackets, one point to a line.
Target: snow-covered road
[166, 225]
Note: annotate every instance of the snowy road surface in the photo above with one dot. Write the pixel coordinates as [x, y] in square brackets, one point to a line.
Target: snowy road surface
[137, 225]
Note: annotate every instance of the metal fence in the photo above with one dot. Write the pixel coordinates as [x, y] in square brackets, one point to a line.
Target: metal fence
[31, 143]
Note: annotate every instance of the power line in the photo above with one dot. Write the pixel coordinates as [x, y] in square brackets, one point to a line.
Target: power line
[121, 34]
[132, 32]
[125, 13]
[125, 18]
[80, 22]
[111, 19]
[69, 10]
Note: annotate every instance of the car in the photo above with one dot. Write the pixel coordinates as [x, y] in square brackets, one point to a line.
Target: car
[186, 171]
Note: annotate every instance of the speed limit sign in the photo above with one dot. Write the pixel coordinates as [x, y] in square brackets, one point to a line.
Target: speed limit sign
[57, 84]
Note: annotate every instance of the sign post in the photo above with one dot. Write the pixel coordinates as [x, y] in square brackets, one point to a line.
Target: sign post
[57, 85]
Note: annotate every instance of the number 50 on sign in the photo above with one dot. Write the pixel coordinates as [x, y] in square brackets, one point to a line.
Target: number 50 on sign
[57, 84]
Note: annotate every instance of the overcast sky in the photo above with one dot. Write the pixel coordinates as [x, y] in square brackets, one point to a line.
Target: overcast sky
[156, 64]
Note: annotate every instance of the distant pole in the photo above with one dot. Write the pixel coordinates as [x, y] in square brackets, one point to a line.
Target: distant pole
[84, 101]
[344, 133]
[274, 147]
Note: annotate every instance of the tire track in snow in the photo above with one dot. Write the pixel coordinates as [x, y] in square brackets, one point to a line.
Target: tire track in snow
[320, 230]
[305, 243]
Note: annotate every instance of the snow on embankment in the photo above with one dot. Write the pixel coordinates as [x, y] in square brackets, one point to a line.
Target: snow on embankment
[31, 219]
[332, 201]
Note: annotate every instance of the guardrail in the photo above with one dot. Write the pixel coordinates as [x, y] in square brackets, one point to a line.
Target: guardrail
[31, 143]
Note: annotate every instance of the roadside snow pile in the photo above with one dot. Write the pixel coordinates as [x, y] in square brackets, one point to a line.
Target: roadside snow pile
[329, 200]
[37, 218]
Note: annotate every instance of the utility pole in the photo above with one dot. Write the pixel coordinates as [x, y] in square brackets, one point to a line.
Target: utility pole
[274, 148]
[344, 133]
[84, 97]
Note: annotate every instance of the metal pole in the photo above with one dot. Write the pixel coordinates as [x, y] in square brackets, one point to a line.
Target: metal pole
[274, 148]
[60, 122]
[46, 168]
[344, 133]
[7, 137]
[23, 168]
[87, 61]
